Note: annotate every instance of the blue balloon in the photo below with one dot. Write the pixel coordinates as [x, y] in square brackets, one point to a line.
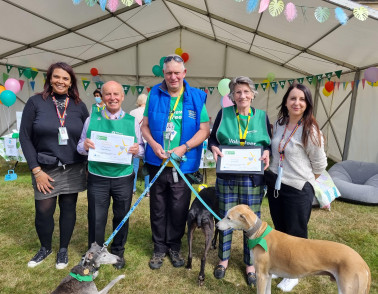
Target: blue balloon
[8, 98]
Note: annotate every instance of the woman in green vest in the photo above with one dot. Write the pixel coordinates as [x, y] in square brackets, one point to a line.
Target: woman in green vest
[239, 125]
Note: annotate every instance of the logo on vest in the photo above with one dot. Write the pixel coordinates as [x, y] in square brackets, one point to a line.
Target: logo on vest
[252, 131]
[192, 114]
[232, 141]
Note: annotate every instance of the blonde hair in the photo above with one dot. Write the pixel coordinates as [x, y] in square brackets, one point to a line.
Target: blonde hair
[142, 99]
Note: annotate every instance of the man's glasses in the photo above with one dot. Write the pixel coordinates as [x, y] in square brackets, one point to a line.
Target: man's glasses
[174, 57]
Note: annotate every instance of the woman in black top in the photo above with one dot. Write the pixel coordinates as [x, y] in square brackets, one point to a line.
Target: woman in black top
[50, 130]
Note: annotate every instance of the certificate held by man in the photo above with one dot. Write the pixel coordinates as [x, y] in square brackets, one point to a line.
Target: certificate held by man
[111, 148]
[240, 159]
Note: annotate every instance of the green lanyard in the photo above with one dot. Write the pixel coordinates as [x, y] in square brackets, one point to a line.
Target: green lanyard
[243, 136]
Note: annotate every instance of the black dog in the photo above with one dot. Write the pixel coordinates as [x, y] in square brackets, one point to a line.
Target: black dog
[200, 217]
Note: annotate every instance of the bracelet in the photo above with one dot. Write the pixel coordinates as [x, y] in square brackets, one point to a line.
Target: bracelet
[187, 147]
[37, 176]
[37, 171]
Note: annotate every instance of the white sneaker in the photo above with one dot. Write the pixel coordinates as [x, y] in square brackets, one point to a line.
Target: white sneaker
[287, 285]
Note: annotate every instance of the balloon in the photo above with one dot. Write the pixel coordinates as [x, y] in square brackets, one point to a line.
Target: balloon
[329, 86]
[223, 87]
[178, 51]
[2, 88]
[325, 92]
[94, 71]
[8, 98]
[12, 85]
[185, 57]
[373, 84]
[28, 73]
[270, 77]
[157, 70]
[162, 61]
[371, 74]
[226, 101]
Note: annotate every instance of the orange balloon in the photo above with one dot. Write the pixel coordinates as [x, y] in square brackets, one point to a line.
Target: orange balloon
[2, 88]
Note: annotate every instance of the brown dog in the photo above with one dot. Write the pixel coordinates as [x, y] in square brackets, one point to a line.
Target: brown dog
[293, 257]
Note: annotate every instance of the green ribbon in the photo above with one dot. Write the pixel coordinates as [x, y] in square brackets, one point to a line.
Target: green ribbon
[260, 240]
[81, 278]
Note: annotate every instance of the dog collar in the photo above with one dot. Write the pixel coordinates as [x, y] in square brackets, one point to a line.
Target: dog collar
[260, 240]
[254, 229]
[81, 278]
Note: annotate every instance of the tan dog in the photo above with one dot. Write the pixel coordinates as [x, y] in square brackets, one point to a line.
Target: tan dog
[293, 257]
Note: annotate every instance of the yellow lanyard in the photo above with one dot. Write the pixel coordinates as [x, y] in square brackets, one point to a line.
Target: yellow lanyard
[107, 117]
[177, 101]
[243, 136]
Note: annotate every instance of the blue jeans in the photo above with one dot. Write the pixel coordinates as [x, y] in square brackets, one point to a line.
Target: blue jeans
[136, 167]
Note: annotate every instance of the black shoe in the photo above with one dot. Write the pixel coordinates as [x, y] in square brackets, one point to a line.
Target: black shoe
[252, 279]
[120, 264]
[219, 271]
[176, 258]
[39, 257]
[156, 260]
[61, 258]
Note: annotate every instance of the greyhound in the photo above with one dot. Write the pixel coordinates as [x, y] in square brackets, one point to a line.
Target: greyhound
[80, 279]
[200, 217]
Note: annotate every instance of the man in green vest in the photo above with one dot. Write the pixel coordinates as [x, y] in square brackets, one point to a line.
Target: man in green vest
[110, 180]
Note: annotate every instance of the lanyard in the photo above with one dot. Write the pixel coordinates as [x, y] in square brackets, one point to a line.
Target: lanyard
[177, 101]
[281, 151]
[107, 117]
[243, 136]
[62, 118]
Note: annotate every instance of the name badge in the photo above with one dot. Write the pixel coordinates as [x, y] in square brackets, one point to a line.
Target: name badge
[170, 127]
[63, 133]
[62, 141]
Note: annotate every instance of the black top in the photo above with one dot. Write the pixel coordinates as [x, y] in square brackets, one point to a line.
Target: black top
[39, 129]
[258, 180]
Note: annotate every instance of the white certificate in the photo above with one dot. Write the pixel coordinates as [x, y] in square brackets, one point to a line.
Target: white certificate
[111, 148]
[10, 147]
[240, 159]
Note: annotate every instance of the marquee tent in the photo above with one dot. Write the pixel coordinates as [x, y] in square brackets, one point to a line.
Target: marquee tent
[222, 39]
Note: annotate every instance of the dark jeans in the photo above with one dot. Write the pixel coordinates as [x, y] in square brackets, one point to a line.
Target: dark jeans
[100, 190]
[169, 205]
[291, 210]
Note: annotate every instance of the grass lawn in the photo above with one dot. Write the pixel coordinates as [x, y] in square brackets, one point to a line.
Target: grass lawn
[354, 225]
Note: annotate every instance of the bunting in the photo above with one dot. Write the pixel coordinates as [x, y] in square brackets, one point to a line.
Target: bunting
[86, 84]
[9, 67]
[126, 89]
[99, 85]
[5, 77]
[20, 71]
[282, 84]
[139, 89]
[32, 84]
[211, 89]
[133, 88]
[300, 80]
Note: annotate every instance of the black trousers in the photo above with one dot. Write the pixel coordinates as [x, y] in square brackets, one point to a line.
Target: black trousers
[100, 190]
[291, 210]
[169, 205]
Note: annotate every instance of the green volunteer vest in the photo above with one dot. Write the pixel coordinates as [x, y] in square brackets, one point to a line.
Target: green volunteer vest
[228, 130]
[124, 126]
[95, 108]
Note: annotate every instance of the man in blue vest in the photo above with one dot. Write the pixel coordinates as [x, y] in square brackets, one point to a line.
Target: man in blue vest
[110, 180]
[175, 107]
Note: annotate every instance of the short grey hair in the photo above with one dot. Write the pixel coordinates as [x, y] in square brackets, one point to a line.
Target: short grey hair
[241, 80]
[183, 65]
[142, 98]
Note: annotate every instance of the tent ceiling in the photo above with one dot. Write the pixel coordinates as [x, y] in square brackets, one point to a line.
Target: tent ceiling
[214, 32]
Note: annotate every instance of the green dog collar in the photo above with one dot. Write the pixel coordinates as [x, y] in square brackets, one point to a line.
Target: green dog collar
[81, 278]
[260, 240]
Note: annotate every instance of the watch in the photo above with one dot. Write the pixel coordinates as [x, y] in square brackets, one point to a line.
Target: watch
[187, 147]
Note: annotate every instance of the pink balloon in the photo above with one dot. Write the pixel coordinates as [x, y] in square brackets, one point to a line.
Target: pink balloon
[371, 74]
[12, 85]
[226, 101]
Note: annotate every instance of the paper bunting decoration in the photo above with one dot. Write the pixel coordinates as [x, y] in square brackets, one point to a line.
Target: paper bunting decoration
[211, 89]
[300, 80]
[76, 2]
[319, 77]
[32, 84]
[86, 84]
[338, 73]
[276, 7]
[103, 4]
[125, 89]
[34, 74]
[264, 86]
[202, 88]
[127, 2]
[139, 89]
[91, 3]
[113, 5]
[20, 71]
[99, 84]
[133, 88]
[148, 89]
[256, 86]
[328, 75]
[9, 67]
[252, 5]
[341, 16]
[290, 12]
[322, 14]
[139, 2]
[282, 83]
[291, 81]
[304, 9]
[309, 79]
[274, 86]
[263, 5]
[5, 77]
[147, 2]
[361, 13]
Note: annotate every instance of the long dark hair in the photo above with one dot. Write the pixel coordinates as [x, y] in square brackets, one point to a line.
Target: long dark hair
[310, 126]
[73, 92]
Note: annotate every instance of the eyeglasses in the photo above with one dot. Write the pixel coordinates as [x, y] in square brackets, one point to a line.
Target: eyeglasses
[174, 57]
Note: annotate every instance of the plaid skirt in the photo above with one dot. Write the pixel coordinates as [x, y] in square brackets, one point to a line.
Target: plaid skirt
[231, 192]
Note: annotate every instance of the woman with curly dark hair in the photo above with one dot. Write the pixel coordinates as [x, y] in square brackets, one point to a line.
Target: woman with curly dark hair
[51, 125]
[298, 159]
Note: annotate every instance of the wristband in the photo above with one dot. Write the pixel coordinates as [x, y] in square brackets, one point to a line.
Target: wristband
[37, 171]
[187, 147]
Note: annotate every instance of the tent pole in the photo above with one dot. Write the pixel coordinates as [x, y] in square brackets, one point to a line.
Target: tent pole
[351, 116]
[316, 99]
[225, 61]
[137, 63]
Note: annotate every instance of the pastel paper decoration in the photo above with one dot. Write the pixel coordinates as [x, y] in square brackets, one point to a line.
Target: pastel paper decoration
[361, 13]
[263, 5]
[139, 2]
[223, 87]
[276, 7]
[91, 3]
[21, 83]
[127, 2]
[341, 16]
[322, 14]
[32, 84]
[252, 5]
[147, 2]
[103, 4]
[290, 12]
[76, 2]
[112, 5]
[370, 74]
[12, 85]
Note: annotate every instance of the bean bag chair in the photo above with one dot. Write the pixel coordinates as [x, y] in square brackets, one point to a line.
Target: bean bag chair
[357, 181]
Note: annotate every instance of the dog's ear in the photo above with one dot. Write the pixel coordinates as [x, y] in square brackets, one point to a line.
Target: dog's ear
[244, 219]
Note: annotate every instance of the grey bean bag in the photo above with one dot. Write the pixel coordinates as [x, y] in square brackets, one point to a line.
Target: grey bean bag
[357, 181]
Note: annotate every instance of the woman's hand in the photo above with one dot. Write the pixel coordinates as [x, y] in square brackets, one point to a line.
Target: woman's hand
[265, 158]
[134, 149]
[216, 152]
[88, 143]
[43, 182]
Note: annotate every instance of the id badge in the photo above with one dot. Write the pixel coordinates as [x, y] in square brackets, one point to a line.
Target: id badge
[173, 134]
[277, 186]
[63, 133]
[62, 141]
[170, 127]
